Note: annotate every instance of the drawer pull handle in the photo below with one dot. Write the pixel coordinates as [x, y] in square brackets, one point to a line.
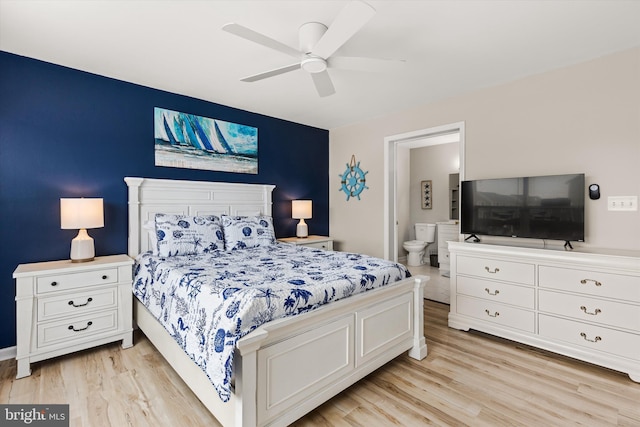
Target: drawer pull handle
[597, 310]
[72, 328]
[489, 292]
[495, 270]
[81, 305]
[595, 282]
[54, 283]
[496, 314]
[104, 277]
[584, 336]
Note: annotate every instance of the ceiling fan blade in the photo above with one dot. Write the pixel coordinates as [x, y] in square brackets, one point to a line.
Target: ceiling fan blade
[323, 83]
[353, 17]
[271, 73]
[366, 64]
[261, 39]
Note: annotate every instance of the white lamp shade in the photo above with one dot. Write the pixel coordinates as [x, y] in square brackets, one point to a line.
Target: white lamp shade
[81, 213]
[301, 209]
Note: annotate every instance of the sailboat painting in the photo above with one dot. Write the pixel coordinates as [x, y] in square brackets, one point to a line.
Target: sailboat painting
[187, 141]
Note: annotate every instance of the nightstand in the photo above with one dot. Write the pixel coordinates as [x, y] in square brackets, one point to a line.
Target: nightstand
[319, 242]
[63, 307]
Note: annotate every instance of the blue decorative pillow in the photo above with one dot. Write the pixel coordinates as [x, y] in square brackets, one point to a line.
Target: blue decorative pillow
[242, 232]
[188, 235]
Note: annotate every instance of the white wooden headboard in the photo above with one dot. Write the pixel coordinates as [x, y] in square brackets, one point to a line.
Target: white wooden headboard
[150, 196]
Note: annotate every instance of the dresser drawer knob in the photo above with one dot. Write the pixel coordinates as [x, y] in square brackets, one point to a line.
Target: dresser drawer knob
[81, 305]
[72, 328]
[496, 314]
[584, 336]
[490, 293]
[595, 282]
[54, 283]
[594, 313]
[495, 270]
[104, 277]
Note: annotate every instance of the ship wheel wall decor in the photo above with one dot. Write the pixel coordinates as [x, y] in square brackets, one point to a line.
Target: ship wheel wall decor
[353, 179]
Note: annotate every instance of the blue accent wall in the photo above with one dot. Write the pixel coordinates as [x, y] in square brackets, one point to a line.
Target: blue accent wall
[68, 133]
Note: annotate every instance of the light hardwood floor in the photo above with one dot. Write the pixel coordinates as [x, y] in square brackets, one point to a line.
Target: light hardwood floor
[468, 378]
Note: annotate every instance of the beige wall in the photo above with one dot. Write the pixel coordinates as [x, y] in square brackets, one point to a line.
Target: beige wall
[433, 163]
[584, 118]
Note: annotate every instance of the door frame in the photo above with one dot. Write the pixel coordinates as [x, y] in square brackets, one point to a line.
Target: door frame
[391, 145]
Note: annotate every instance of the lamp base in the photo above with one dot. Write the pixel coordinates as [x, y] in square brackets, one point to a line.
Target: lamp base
[82, 248]
[302, 230]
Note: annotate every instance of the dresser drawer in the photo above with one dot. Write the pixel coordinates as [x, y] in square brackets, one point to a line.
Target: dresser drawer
[607, 285]
[496, 291]
[517, 272]
[590, 309]
[75, 304]
[77, 328]
[64, 282]
[500, 314]
[593, 337]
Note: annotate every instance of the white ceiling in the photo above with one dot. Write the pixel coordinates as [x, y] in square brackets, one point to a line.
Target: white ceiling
[450, 47]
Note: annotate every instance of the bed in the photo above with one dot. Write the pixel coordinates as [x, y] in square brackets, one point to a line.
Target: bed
[271, 381]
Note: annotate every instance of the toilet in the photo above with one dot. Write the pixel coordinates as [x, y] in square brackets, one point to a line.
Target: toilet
[425, 234]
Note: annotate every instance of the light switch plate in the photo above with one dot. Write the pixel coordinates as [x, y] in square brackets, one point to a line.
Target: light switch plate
[622, 203]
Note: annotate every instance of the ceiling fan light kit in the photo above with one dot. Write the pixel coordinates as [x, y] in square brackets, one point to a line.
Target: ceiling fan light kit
[317, 43]
[313, 64]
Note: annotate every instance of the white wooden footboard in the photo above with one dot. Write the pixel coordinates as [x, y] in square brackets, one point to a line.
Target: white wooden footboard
[288, 367]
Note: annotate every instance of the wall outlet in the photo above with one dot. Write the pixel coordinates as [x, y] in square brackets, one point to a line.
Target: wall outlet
[622, 203]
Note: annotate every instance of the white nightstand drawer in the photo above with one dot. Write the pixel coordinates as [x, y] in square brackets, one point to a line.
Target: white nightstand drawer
[496, 291]
[62, 282]
[76, 303]
[591, 282]
[327, 246]
[594, 337]
[77, 327]
[504, 315]
[517, 272]
[589, 309]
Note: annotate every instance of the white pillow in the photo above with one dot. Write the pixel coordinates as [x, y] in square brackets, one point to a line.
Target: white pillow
[188, 235]
[242, 232]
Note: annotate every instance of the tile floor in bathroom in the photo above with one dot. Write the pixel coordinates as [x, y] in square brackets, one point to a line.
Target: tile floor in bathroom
[437, 288]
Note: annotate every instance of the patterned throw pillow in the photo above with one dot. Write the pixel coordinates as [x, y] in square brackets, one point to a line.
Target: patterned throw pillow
[188, 235]
[242, 232]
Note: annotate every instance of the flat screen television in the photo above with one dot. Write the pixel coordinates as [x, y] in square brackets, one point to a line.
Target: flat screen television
[539, 207]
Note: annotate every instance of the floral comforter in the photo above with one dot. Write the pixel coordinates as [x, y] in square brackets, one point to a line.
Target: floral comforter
[208, 302]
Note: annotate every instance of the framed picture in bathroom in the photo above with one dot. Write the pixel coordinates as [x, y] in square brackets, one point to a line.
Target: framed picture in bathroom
[425, 194]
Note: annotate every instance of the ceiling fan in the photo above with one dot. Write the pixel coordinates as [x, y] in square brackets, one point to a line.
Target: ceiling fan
[317, 45]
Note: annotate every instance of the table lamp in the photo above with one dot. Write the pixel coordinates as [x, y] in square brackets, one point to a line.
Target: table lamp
[301, 209]
[81, 214]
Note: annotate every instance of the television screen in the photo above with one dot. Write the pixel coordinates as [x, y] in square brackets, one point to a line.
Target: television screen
[541, 207]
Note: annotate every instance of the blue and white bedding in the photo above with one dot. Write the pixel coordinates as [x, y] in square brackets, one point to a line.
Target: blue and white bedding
[207, 301]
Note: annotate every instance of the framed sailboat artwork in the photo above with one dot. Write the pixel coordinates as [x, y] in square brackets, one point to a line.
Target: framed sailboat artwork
[188, 141]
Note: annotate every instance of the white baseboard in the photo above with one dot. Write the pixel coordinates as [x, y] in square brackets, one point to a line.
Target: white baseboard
[8, 353]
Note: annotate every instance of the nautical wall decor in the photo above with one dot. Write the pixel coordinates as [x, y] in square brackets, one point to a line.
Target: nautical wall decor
[425, 194]
[353, 179]
[187, 141]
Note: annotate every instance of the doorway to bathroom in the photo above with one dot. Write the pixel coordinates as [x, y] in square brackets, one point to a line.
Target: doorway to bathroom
[398, 178]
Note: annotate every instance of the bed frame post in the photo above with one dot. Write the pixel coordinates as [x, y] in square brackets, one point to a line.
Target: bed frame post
[134, 212]
[246, 380]
[419, 349]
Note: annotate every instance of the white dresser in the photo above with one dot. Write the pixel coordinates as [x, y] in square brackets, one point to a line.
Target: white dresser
[64, 307]
[584, 305]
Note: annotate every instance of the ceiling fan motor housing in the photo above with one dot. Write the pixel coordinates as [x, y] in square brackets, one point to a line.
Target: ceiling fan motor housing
[310, 34]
